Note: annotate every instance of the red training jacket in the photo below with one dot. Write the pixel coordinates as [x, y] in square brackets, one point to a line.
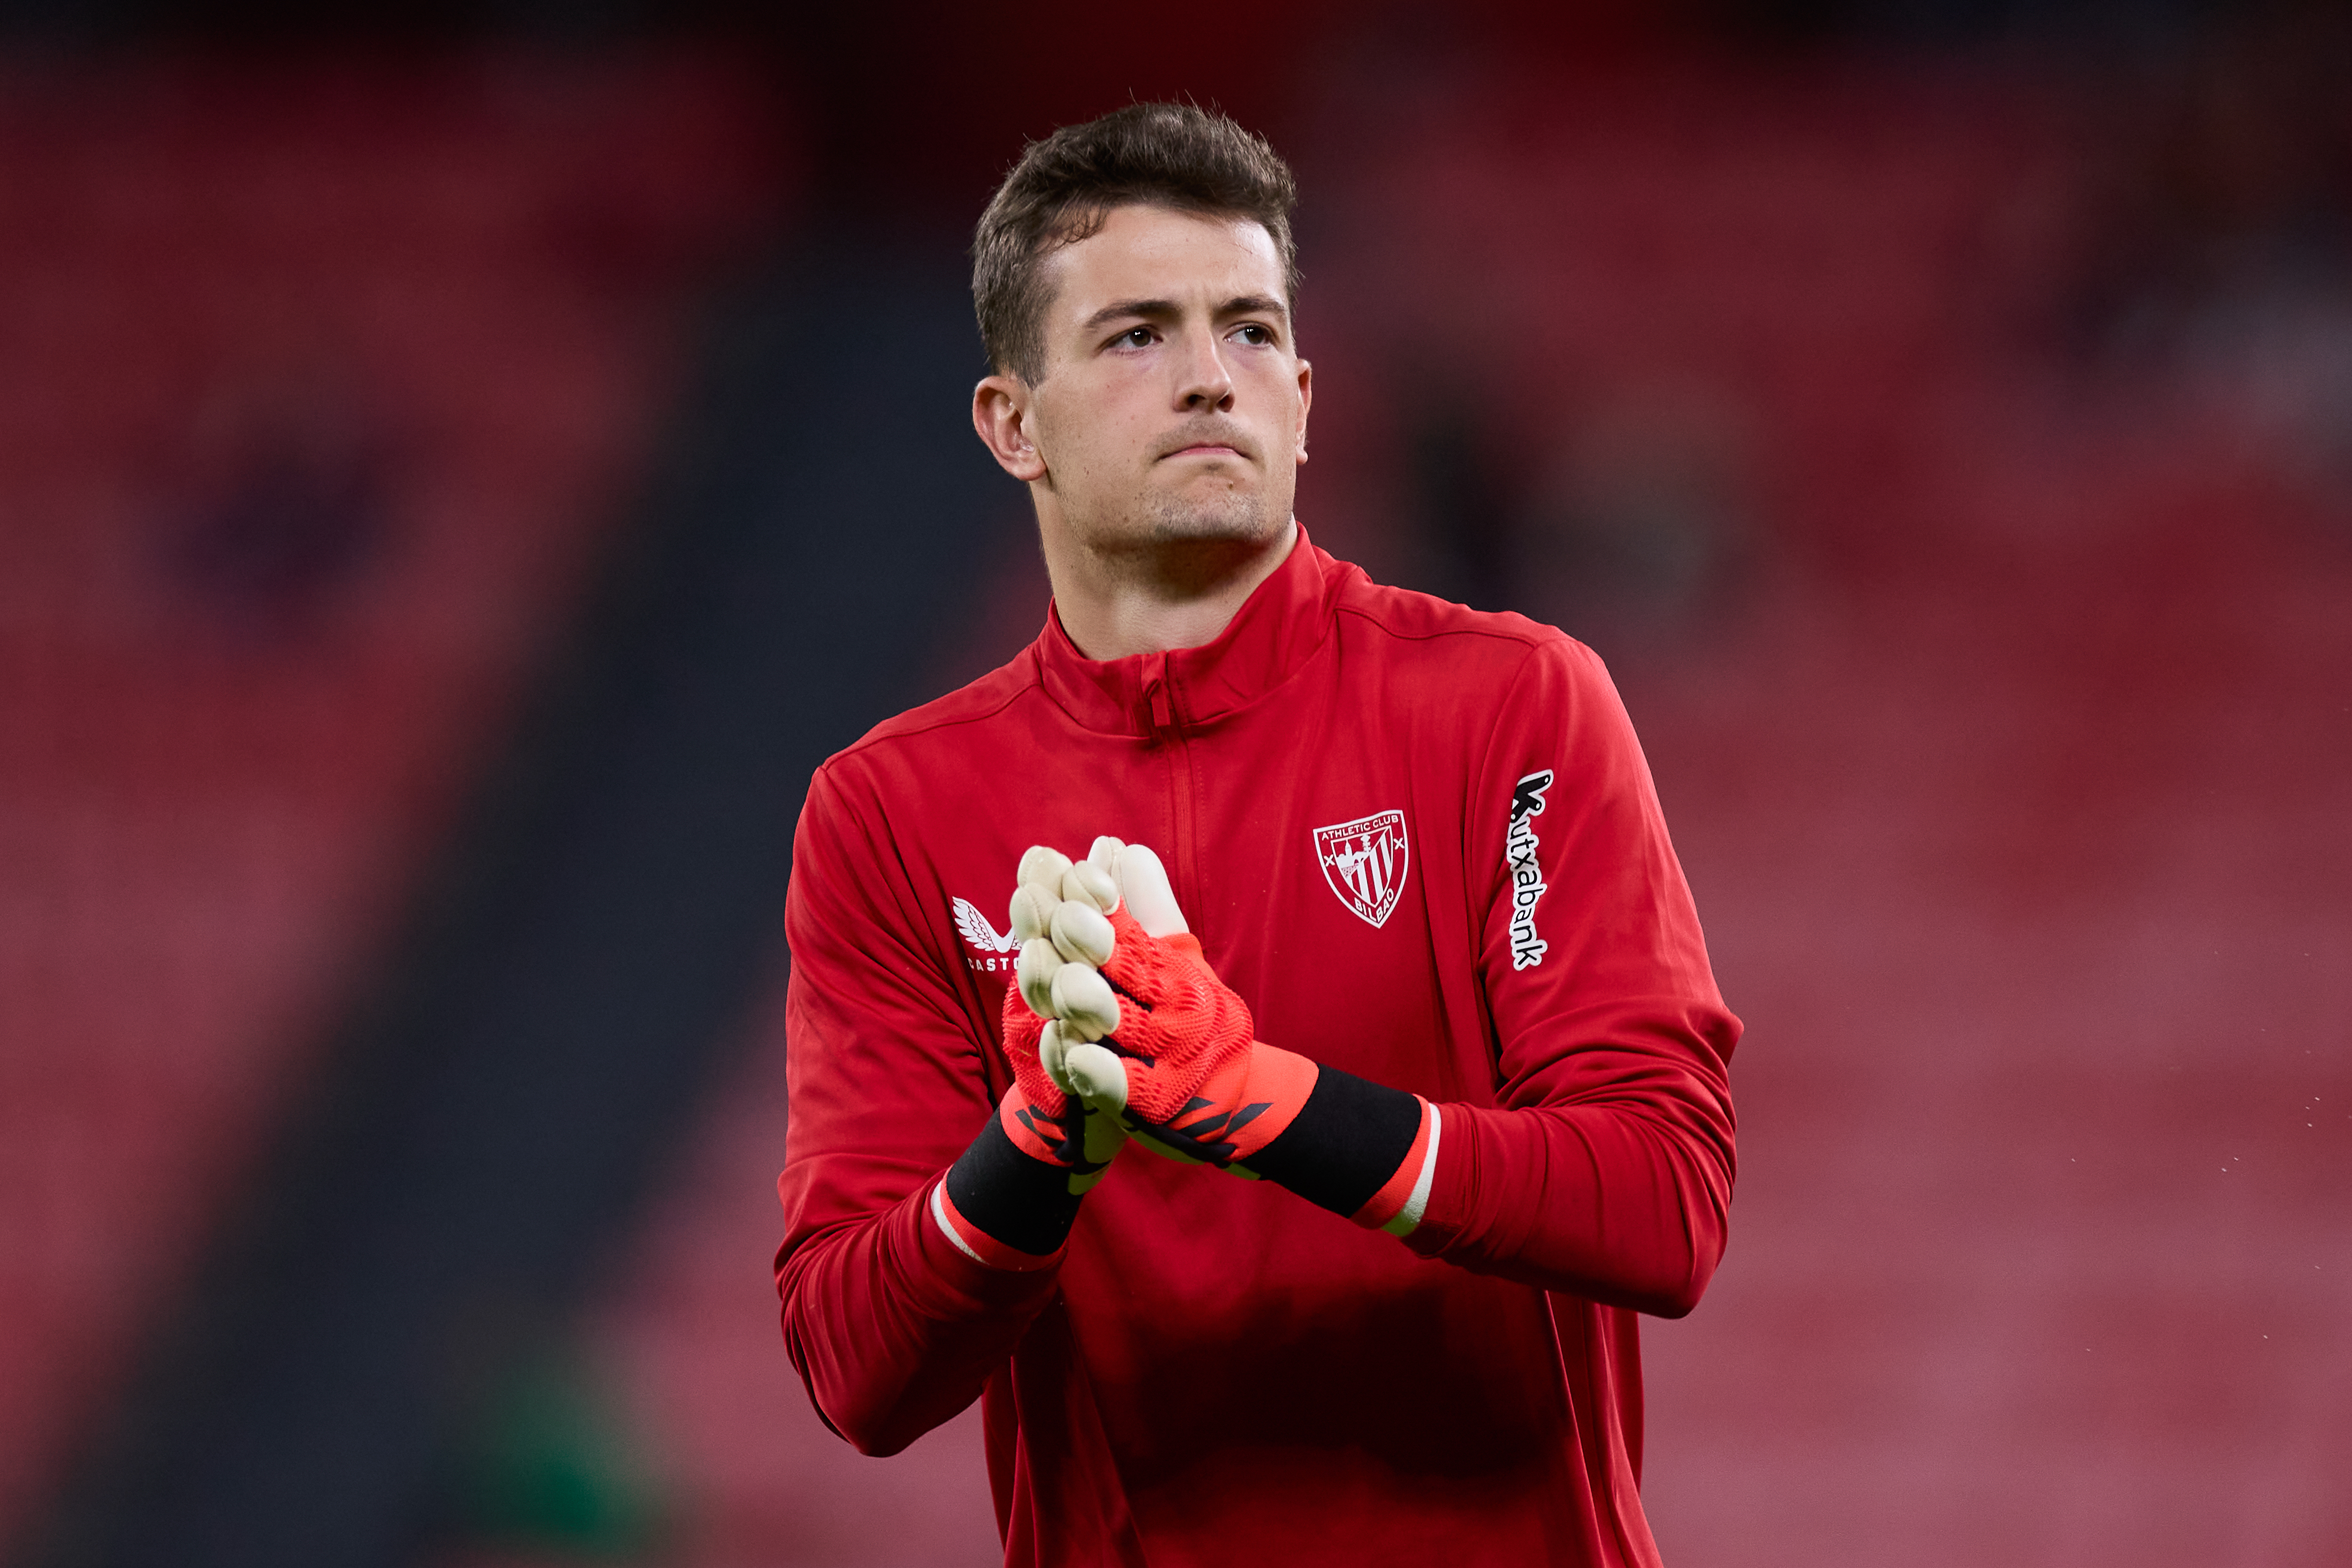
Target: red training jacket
[1422, 844]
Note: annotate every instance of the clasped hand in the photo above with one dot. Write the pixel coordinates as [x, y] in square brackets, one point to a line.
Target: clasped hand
[1115, 1006]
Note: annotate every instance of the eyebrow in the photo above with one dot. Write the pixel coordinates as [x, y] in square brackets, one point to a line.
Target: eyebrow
[1162, 309]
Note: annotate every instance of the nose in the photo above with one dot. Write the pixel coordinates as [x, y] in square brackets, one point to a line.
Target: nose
[1204, 385]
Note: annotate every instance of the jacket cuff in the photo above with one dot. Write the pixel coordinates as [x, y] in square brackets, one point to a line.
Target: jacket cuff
[955, 1288]
[1451, 1200]
[977, 1244]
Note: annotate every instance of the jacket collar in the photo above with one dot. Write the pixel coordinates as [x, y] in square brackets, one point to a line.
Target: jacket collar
[1278, 628]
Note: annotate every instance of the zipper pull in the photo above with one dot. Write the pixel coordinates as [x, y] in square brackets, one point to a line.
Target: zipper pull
[1155, 687]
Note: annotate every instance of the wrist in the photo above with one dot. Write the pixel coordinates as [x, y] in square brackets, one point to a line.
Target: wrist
[1358, 1148]
[979, 1245]
[1398, 1207]
[1001, 1203]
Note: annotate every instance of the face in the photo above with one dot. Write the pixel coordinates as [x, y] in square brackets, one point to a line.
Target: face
[1173, 402]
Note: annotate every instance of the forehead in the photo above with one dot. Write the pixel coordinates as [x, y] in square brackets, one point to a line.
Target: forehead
[1158, 253]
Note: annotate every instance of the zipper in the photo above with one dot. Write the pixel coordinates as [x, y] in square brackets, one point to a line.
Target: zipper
[1168, 731]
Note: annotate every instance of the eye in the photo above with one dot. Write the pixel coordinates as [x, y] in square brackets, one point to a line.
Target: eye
[1135, 338]
[1257, 335]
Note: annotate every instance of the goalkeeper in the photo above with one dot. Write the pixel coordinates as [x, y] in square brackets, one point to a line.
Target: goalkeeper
[1286, 1176]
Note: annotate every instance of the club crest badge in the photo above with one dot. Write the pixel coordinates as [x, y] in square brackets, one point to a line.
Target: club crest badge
[1364, 861]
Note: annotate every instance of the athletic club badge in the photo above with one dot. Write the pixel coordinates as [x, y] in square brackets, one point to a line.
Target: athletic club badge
[1364, 861]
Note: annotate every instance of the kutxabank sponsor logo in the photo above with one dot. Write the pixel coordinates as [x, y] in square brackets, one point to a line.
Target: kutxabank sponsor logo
[1520, 846]
[998, 951]
[1365, 863]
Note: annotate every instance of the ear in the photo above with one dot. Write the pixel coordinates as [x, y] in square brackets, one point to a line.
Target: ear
[1306, 400]
[999, 413]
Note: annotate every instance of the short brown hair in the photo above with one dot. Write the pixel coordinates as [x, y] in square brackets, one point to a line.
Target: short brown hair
[1157, 154]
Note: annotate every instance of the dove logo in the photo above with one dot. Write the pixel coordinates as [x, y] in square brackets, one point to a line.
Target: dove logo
[998, 953]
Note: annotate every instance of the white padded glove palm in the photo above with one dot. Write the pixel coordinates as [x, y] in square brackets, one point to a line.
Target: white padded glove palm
[1062, 913]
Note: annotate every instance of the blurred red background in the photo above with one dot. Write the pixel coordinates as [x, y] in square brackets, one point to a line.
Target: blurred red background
[1945, 433]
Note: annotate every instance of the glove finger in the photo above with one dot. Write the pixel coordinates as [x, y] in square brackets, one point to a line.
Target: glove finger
[1143, 888]
[1101, 1138]
[1042, 864]
[1105, 1133]
[1034, 974]
[1084, 1001]
[1082, 933]
[1097, 1077]
[1052, 1053]
[1033, 909]
[1087, 883]
[1105, 854]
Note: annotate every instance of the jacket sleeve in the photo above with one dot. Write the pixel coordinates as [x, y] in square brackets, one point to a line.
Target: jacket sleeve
[1605, 1168]
[891, 1327]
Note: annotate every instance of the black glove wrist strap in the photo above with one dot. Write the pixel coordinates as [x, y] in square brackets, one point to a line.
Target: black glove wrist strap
[1022, 1201]
[1345, 1143]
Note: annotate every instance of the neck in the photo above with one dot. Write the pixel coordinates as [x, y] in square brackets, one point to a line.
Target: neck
[1173, 594]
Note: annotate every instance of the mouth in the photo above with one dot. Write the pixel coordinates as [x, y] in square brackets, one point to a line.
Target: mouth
[1208, 449]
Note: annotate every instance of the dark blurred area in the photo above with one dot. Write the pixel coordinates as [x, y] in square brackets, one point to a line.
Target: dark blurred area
[464, 466]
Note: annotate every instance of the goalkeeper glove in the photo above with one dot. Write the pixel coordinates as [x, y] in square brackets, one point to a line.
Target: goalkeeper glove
[1009, 1200]
[1144, 1026]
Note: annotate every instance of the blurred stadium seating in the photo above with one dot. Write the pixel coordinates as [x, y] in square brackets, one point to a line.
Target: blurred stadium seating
[319, 379]
[1993, 676]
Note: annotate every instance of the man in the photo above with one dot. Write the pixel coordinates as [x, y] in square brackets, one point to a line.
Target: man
[1412, 948]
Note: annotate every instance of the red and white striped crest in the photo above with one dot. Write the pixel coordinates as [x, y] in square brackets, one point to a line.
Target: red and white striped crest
[1364, 861]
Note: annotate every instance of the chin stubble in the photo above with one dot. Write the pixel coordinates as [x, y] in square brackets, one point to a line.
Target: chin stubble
[1238, 515]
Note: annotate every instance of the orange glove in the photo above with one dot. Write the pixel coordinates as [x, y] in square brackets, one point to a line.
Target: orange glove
[1144, 1026]
[1010, 1200]
[1043, 1118]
